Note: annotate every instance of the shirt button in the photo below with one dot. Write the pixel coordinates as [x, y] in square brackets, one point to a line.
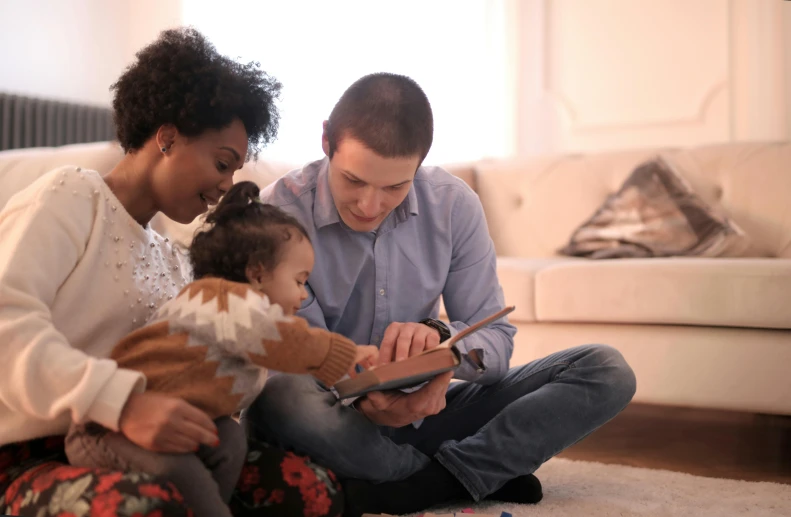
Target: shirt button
[382, 292]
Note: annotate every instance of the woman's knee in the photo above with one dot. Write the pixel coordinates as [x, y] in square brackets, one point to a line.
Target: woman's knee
[92, 491]
[152, 492]
[158, 494]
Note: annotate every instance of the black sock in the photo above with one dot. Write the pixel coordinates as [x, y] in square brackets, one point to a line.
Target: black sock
[431, 486]
[523, 490]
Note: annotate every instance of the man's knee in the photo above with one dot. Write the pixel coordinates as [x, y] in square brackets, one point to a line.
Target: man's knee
[289, 406]
[616, 373]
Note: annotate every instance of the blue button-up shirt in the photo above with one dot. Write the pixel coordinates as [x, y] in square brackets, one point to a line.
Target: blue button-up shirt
[435, 243]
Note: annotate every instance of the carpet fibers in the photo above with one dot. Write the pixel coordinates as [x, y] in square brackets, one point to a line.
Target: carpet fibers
[587, 489]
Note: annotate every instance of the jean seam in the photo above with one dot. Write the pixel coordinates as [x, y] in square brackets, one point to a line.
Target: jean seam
[449, 463]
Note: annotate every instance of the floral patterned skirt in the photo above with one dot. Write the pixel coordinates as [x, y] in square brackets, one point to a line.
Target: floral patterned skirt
[36, 481]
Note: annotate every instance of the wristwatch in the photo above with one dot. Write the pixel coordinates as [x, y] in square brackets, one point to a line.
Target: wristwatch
[444, 332]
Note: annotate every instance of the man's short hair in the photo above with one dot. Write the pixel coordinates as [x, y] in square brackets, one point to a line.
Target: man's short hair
[388, 113]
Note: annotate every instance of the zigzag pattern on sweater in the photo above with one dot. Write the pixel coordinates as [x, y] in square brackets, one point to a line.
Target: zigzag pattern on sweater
[230, 336]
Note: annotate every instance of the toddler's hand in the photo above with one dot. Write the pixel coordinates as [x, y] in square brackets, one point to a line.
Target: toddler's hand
[366, 357]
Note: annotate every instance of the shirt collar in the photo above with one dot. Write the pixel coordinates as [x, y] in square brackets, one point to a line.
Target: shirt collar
[409, 205]
[325, 213]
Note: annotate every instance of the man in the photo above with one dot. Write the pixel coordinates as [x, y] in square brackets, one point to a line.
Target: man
[390, 238]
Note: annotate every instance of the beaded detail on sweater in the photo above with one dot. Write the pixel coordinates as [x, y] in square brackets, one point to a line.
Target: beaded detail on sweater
[153, 262]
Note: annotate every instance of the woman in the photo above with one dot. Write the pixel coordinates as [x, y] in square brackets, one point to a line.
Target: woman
[80, 268]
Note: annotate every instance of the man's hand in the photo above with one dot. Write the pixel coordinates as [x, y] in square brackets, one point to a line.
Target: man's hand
[397, 409]
[402, 340]
[161, 423]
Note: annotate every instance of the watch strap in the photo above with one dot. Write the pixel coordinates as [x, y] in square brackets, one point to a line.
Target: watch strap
[444, 331]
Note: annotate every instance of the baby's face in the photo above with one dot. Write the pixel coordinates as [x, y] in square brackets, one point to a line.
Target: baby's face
[285, 285]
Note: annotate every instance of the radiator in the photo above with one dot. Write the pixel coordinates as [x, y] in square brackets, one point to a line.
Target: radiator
[31, 122]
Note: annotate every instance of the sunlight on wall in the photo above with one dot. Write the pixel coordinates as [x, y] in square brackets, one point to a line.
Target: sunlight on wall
[456, 50]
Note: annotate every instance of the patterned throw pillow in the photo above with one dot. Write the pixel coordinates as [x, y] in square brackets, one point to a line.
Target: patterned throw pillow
[656, 214]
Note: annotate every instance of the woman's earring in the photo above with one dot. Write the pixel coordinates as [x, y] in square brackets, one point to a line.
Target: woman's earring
[164, 149]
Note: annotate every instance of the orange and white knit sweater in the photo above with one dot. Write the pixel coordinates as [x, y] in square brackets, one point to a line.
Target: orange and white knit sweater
[213, 344]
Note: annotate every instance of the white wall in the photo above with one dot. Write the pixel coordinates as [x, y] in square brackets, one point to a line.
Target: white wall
[592, 74]
[317, 48]
[75, 49]
[146, 19]
[612, 74]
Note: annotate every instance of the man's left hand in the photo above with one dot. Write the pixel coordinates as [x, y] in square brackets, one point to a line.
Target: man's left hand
[397, 409]
[402, 340]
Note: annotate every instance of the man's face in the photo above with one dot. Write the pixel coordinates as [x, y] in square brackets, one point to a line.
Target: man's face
[365, 186]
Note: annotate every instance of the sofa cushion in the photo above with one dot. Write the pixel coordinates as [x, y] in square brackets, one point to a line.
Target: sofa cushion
[747, 292]
[534, 204]
[656, 213]
[517, 277]
[21, 167]
[464, 171]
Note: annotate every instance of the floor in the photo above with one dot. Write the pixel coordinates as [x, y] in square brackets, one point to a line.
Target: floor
[702, 442]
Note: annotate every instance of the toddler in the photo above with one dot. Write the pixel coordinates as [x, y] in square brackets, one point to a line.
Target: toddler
[213, 344]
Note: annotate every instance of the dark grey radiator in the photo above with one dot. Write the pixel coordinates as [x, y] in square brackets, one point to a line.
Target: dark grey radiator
[30, 122]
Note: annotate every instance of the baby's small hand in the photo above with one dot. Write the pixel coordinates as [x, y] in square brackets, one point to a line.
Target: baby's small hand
[366, 357]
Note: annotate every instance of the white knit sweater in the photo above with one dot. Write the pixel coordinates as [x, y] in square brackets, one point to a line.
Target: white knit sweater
[77, 274]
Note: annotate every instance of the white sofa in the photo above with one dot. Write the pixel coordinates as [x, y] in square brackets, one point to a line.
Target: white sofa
[698, 332]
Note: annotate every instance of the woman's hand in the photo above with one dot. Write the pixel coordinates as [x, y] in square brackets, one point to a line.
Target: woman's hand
[366, 357]
[161, 423]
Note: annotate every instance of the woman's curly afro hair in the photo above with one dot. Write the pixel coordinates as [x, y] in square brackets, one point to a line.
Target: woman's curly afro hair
[181, 79]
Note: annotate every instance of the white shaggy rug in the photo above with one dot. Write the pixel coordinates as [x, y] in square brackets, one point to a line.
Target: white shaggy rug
[586, 489]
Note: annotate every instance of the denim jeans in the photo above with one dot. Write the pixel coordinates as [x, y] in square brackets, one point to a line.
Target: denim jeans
[485, 436]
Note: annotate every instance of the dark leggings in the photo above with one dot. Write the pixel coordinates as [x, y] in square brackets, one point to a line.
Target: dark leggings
[35, 475]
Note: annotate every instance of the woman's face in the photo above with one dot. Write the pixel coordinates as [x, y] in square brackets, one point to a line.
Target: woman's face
[195, 172]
